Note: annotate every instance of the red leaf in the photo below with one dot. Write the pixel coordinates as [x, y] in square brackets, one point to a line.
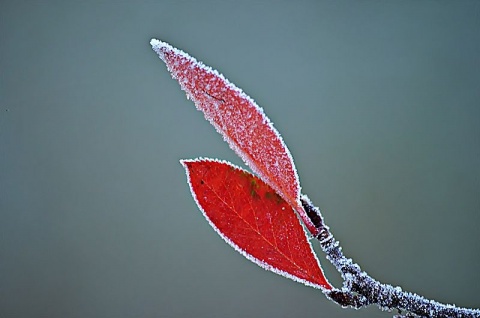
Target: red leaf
[240, 120]
[250, 216]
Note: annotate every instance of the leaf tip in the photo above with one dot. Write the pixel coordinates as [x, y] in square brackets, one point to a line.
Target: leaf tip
[189, 163]
[154, 42]
[160, 47]
[186, 163]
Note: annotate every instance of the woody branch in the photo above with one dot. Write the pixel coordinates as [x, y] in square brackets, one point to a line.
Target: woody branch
[360, 290]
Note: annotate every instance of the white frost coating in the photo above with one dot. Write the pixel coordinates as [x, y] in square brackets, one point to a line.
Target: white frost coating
[155, 42]
[260, 263]
[285, 171]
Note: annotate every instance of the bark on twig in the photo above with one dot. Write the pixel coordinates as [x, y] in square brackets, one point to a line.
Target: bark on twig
[360, 290]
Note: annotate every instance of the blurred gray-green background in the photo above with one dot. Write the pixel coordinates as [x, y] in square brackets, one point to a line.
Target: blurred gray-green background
[378, 101]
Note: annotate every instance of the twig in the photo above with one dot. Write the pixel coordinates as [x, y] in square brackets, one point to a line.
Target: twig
[360, 290]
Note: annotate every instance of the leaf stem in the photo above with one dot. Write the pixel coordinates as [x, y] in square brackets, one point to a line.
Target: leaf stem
[360, 290]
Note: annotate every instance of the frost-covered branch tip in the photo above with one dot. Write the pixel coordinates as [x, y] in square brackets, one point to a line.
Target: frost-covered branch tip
[256, 215]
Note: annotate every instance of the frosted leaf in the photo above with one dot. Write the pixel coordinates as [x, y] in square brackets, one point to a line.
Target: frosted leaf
[239, 120]
[251, 217]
